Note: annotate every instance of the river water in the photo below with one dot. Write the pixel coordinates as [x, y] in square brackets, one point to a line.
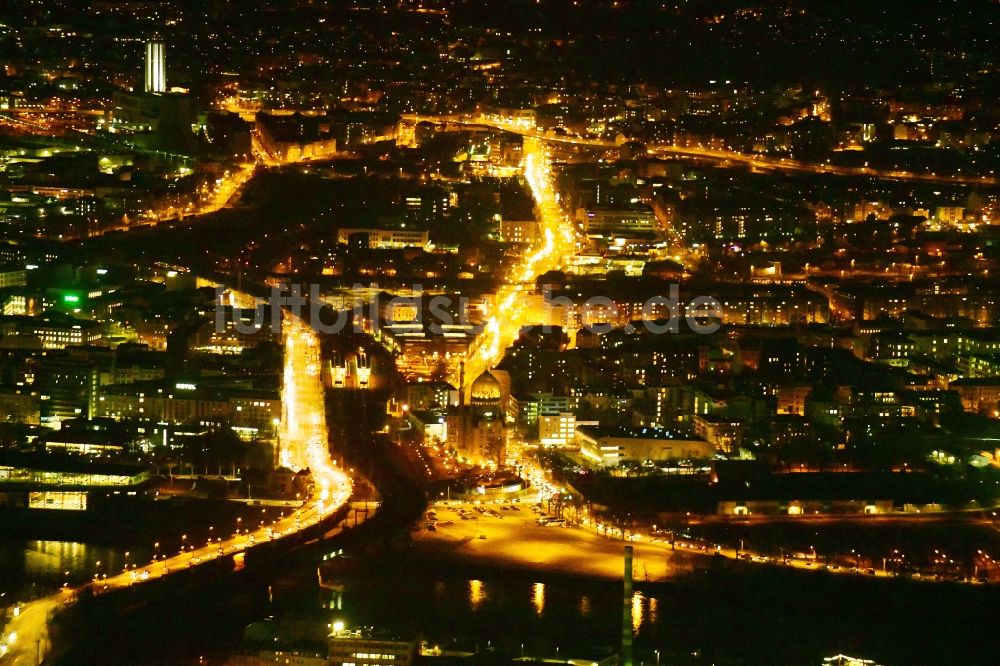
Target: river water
[35, 567]
[767, 616]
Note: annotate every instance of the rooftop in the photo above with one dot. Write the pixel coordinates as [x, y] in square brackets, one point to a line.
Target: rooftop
[634, 433]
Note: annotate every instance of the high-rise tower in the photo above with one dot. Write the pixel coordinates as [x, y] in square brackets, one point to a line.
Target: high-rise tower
[156, 66]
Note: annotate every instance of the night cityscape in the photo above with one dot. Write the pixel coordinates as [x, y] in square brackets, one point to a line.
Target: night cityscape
[500, 332]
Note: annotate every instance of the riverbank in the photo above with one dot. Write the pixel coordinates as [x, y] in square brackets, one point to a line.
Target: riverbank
[517, 541]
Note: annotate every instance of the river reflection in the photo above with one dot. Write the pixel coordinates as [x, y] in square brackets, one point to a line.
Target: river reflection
[718, 615]
[538, 597]
[476, 594]
[637, 611]
[36, 567]
[504, 611]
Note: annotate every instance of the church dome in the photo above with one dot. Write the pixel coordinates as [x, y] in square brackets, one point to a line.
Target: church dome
[486, 390]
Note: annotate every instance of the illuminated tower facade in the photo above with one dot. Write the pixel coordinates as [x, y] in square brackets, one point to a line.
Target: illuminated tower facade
[485, 423]
[156, 66]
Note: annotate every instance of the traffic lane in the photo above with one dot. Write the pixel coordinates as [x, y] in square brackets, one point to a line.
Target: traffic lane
[26, 636]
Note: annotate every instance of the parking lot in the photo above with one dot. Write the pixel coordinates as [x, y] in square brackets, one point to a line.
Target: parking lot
[510, 534]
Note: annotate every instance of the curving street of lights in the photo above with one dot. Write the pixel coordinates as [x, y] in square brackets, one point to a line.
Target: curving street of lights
[304, 436]
[303, 445]
[558, 242]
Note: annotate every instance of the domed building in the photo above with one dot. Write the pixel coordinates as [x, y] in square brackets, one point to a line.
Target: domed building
[486, 391]
[477, 432]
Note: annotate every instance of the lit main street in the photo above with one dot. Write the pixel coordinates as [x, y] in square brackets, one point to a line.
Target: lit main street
[558, 242]
[25, 639]
[219, 195]
[226, 190]
[304, 439]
